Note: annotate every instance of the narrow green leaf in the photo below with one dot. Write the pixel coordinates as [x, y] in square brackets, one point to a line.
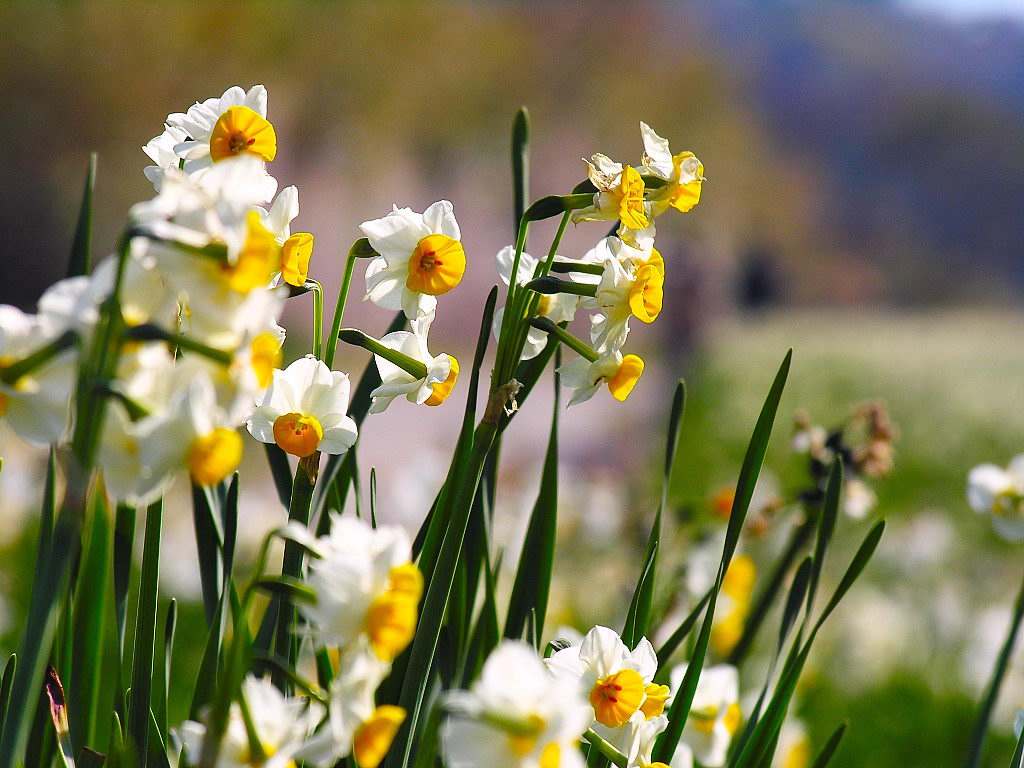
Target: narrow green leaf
[520, 166]
[280, 471]
[826, 526]
[163, 682]
[1017, 761]
[145, 632]
[995, 683]
[679, 711]
[88, 758]
[90, 616]
[295, 590]
[209, 543]
[124, 541]
[81, 248]
[533, 575]
[5, 685]
[831, 747]
[677, 638]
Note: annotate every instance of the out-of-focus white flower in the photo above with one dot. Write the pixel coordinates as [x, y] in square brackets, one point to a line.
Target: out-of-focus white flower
[366, 585]
[794, 749]
[558, 307]
[222, 128]
[160, 149]
[304, 410]
[297, 248]
[618, 372]
[442, 371]
[281, 724]
[999, 492]
[356, 725]
[858, 498]
[517, 715]
[193, 433]
[37, 405]
[682, 173]
[632, 285]
[715, 714]
[811, 440]
[421, 257]
[641, 733]
[618, 682]
[619, 197]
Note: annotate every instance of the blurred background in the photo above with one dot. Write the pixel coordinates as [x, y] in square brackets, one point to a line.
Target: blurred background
[865, 165]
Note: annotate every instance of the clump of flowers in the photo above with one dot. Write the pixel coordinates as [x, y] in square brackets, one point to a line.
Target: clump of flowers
[366, 645]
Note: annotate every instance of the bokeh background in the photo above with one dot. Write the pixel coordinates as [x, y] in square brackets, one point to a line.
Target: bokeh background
[865, 165]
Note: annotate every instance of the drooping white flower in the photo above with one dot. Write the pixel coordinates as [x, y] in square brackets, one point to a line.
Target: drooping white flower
[366, 585]
[517, 715]
[421, 257]
[223, 128]
[305, 410]
[618, 682]
[639, 737]
[297, 248]
[442, 371]
[715, 714]
[618, 372]
[356, 724]
[282, 726]
[682, 173]
[632, 285]
[999, 492]
[37, 405]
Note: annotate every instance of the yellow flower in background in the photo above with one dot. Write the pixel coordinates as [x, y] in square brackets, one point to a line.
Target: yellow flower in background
[715, 715]
[682, 173]
[734, 604]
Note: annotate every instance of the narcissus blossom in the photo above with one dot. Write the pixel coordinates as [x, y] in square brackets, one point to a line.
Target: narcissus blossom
[619, 197]
[999, 492]
[619, 373]
[632, 285]
[794, 750]
[616, 681]
[281, 724]
[516, 715]
[297, 248]
[304, 410]
[433, 388]
[421, 257]
[715, 714]
[366, 585]
[682, 173]
[733, 604]
[226, 127]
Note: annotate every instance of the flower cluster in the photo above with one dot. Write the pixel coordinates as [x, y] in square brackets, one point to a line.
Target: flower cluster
[525, 712]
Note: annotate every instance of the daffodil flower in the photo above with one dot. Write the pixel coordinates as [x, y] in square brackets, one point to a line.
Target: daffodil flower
[304, 410]
[297, 248]
[715, 714]
[421, 257]
[366, 585]
[194, 433]
[632, 285]
[356, 725]
[160, 149]
[407, 368]
[222, 128]
[682, 173]
[999, 492]
[516, 715]
[37, 404]
[794, 750]
[614, 370]
[281, 725]
[618, 682]
[619, 197]
[734, 604]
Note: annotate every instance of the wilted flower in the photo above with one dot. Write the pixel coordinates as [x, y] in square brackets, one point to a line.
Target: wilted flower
[304, 410]
[620, 196]
[281, 726]
[517, 715]
[421, 257]
[715, 714]
[999, 492]
[366, 585]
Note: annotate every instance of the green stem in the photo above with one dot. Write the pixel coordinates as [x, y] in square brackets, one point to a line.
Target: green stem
[532, 298]
[992, 691]
[11, 374]
[551, 285]
[298, 510]
[318, 319]
[577, 345]
[408, 364]
[155, 333]
[605, 748]
[565, 267]
[339, 308]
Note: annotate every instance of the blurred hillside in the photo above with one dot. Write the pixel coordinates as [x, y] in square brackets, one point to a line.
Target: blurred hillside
[856, 152]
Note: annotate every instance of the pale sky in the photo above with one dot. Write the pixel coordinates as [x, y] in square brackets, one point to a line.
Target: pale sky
[970, 10]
